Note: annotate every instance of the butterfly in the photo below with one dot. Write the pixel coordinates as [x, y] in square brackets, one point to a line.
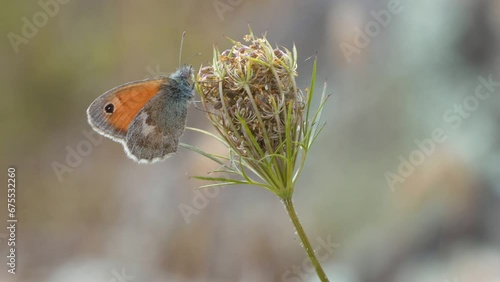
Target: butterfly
[147, 116]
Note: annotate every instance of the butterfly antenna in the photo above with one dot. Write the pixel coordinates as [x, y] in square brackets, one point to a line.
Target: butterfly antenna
[182, 44]
[192, 56]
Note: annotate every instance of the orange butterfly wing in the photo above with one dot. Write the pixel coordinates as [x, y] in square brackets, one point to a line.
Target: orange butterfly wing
[129, 100]
[123, 102]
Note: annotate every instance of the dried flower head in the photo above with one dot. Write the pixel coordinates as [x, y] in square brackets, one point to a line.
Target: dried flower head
[251, 97]
[253, 83]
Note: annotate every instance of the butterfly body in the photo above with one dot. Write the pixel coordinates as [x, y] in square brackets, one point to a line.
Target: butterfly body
[148, 116]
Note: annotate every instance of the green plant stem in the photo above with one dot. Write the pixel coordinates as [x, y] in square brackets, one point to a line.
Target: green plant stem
[303, 237]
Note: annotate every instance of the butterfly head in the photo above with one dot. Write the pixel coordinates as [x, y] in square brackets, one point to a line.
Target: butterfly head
[182, 83]
[184, 74]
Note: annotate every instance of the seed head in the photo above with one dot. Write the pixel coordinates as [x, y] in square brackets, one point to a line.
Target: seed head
[251, 98]
[250, 92]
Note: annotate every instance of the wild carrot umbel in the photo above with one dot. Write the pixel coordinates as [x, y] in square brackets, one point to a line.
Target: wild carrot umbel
[251, 98]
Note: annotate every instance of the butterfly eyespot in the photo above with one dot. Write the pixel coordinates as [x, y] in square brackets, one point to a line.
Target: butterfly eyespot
[109, 108]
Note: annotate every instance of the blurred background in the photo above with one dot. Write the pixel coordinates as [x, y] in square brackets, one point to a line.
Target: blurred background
[382, 198]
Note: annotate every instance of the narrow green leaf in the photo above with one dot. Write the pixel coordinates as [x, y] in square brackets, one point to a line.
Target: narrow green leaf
[317, 115]
[213, 157]
[250, 135]
[220, 179]
[311, 93]
[209, 134]
[216, 185]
